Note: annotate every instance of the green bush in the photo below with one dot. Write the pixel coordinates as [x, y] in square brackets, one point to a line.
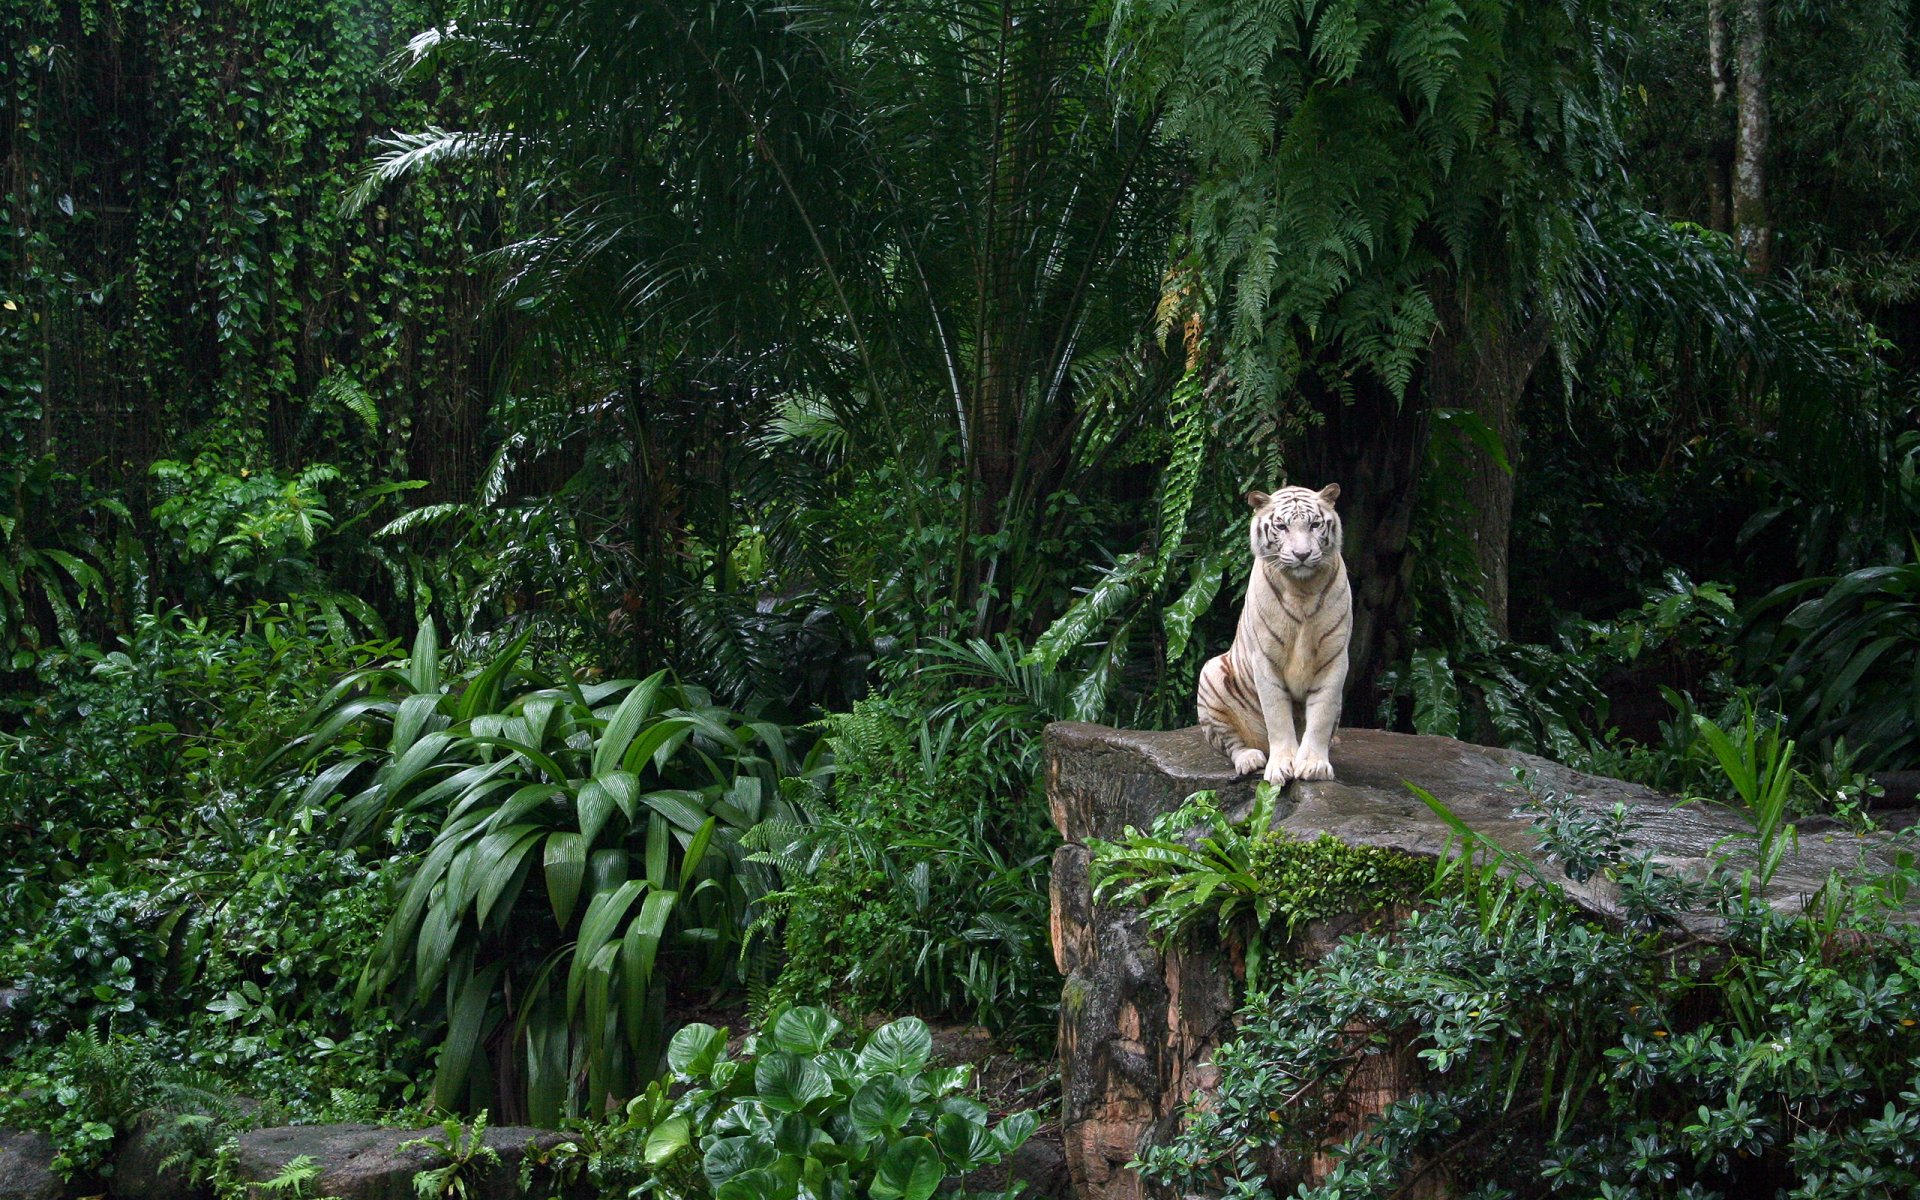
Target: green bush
[797, 1115]
[119, 754]
[580, 852]
[1249, 878]
[92, 1090]
[1558, 1055]
[1843, 661]
[919, 884]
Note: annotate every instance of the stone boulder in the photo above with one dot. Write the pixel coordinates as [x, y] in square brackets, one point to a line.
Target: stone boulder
[367, 1162]
[26, 1167]
[1138, 1026]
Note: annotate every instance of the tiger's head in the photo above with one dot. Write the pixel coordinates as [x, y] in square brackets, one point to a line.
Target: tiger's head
[1296, 529]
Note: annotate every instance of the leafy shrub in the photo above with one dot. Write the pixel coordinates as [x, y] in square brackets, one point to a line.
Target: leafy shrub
[919, 884]
[798, 1116]
[1550, 1054]
[94, 1090]
[585, 851]
[229, 538]
[99, 954]
[117, 753]
[242, 968]
[1464, 680]
[1248, 877]
[1843, 661]
[46, 577]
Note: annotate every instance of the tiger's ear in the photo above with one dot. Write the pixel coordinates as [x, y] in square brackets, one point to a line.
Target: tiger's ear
[1330, 493]
[1257, 500]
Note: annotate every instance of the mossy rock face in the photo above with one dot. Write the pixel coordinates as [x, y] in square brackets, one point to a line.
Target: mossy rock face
[1139, 1021]
[1320, 878]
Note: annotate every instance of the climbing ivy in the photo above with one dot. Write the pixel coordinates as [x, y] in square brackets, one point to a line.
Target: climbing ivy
[181, 275]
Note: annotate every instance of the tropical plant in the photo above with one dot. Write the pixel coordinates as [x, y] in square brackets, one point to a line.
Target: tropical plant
[917, 883]
[800, 1115]
[583, 852]
[468, 1157]
[1601, 1061]
[1195, 869]
[42, 581]
[944, 248]
[1843, 660]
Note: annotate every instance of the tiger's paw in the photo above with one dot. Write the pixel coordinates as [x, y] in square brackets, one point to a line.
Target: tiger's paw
[1279, 770]
[1311, 764]
[1246, 762]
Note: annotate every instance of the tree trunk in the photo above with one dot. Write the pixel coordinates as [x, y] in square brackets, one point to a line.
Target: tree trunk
[1750, 225]
[1720, 145]
[1374, 448]
[1480, 366]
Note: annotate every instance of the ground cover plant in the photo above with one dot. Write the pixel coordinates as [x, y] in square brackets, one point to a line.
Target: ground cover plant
[1544, 1052]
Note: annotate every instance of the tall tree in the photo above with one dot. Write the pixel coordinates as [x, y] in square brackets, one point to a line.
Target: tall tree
[1382, 209]
[1720, 145]
[1752, 227]
[932, 223]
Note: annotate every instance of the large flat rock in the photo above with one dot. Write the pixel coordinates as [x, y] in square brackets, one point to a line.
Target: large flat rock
[366, 1162]
[1102, 780]
[1138, 1025]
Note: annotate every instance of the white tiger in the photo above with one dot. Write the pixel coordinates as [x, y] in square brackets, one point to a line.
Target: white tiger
[1291, 646]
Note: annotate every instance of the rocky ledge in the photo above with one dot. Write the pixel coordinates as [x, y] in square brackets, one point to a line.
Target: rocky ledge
[1137, 1026]
[347, 1162]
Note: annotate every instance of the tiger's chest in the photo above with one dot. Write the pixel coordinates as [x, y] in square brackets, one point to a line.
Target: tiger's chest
[1296, 628]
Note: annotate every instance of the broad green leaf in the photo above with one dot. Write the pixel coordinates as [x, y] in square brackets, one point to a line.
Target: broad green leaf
[659, 845]
[594, 805]
[611, 750]
[565, 862]
[533, 754]
[759, 1183]
[785, 1082]
[467, 1012]
[696, 851]
[1013, 1131]
[604, 913]
[805, 1030]
[966, 1144]
[656, 744]
[638, 951]
[695, 1049]
[417, 714]
[504, 878]
[881, 1106]
[482, 693]
[527, 799]
[685, 809]
[423, 668]
[902, 1045]
[727, 1157]
[909, 1170]
[667, 1139]
[1203, 585]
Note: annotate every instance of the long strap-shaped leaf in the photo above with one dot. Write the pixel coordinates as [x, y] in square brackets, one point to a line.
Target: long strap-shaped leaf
[633, 712]
[466, 1021]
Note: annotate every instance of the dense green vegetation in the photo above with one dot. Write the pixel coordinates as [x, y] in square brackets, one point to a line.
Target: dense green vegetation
[529, 527]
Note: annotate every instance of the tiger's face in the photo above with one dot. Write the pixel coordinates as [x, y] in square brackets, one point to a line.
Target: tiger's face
[1296, 529]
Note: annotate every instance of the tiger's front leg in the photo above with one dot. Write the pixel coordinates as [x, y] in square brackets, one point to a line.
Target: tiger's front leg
[1276, 708]
[1312, 759]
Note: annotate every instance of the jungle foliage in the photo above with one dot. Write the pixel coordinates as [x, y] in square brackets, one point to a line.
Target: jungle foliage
[526, 526]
